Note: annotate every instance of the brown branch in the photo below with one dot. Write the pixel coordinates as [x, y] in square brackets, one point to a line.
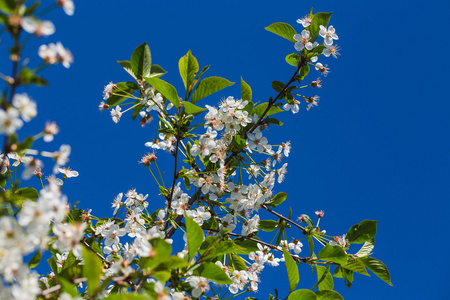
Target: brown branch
[283, 217]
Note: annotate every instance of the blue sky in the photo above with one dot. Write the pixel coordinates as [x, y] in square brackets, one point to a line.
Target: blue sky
[375, 148]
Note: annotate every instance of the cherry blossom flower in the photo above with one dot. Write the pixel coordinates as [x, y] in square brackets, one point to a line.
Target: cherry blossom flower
[67, 6]
[294, 106]
[328, 35]
[331, 50]
[48, 53]
[305, 21]
[68, 173]
[50, 130]
[312, 101]
[25, 106]
[38, 28]
[9, 121]
[64, 55]
[116, 114]
[107, 92]
[303, 41]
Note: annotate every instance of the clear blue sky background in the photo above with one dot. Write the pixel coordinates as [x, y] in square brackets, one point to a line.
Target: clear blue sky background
[375, 148]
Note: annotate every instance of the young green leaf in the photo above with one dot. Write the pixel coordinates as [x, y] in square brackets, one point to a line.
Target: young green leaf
[366, 249]
[328, 295]
[282, 29]
[188, 67]
[362, 232]
[277, 199]
[156, 71]
[7, 6]
[195, 236]
[260, 109]
[208, 86]
[92, 269]
[293, 59]
[333, 253]
[267, 225]
[327, 281]
[127, 67]
[67, 287]
[246, 91]
[236, 262]
[302, 295]
[357, 266]
[304, 71]
[166, 89]
[28, 193]
[34, 261]
[126, 297]
[192, 109]
[141, 61]
[171, 263]
[292, 270]
[213, 272]
[378, 268]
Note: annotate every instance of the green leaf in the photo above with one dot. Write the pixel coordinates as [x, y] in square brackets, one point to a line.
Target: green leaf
[378, 268]
[68, 287]
[304, 71]
[34, 261]
[7, 6]
[278, 86]
[171, 263]
[318, 19]
[166, 89]
[277, 199]
[141, 61]
[236, 262]
[224, 247]
[366, 249]
[260, 109]
[357, 266]
[308, 220]
[123, 89]
[327, 282]
[162, 276]
[267, 225]
[195, 236]
[127, 67]
[156, 71]
[162, 251]
[302, 295]
[28, 193]
[188, 67]
[32, 8]
[92, 269]
[208, 86]
[328, 295]
[362, 232]
[136, 110]
[293, 59]
[125, 297]
[246, 91]
[292, 270]
[28, 77]
[192, 109]
[333, 253]
[282, 29]
[213, 272]
[53, 265]
[274, 121]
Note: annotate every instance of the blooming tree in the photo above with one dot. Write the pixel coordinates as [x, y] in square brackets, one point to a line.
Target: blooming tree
[223, 183]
